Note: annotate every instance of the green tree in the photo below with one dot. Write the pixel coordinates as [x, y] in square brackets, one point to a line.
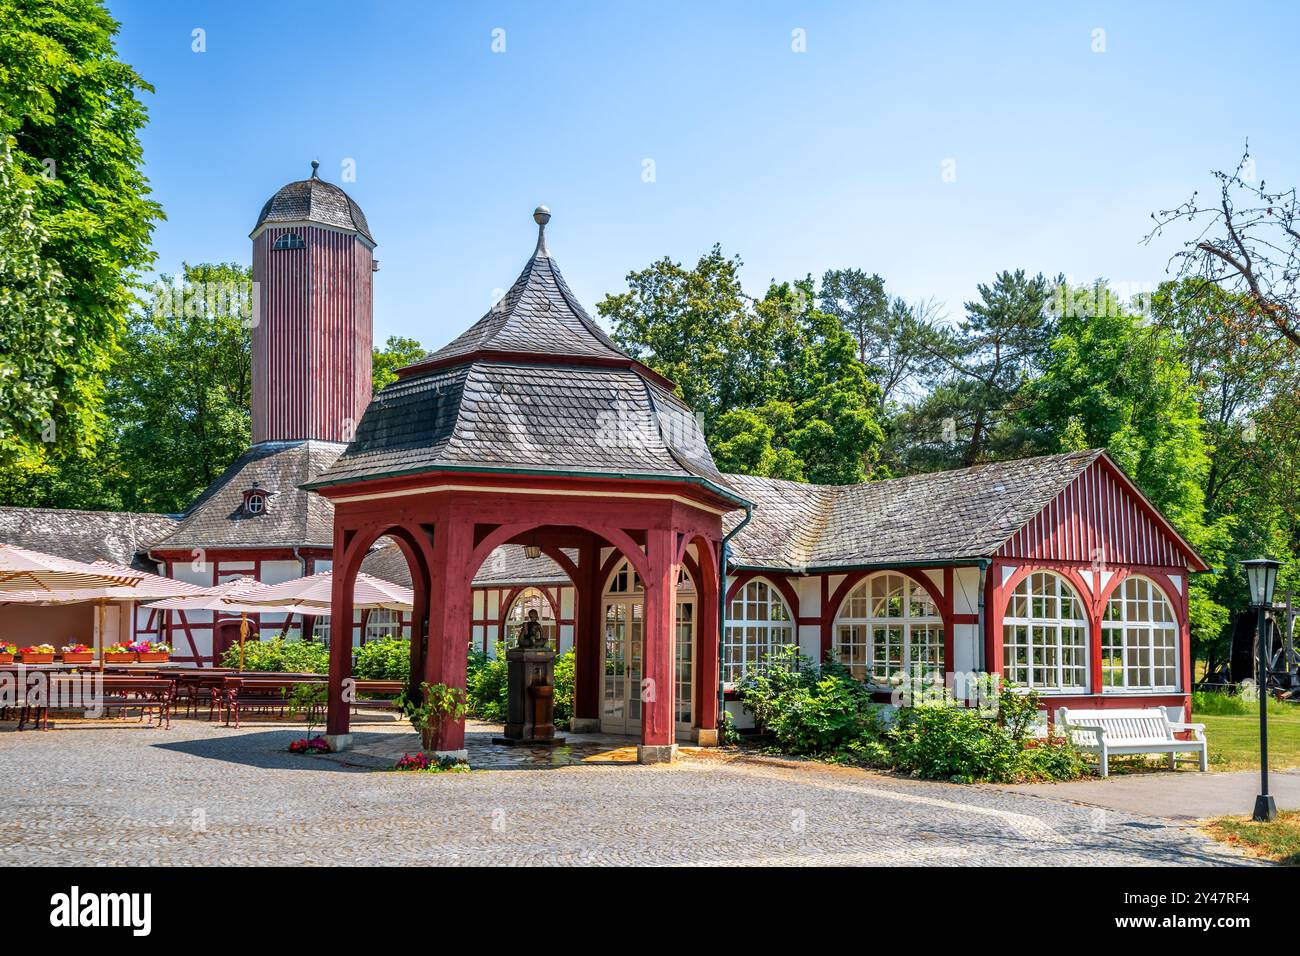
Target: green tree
[396, 353]
[1111, 380]
[776, 381]
[181, 390]
[37, 324]
[969, 415]
[70, 114]
[689, 325]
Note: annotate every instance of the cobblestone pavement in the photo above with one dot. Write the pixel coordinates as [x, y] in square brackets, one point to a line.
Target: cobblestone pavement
[113, 793]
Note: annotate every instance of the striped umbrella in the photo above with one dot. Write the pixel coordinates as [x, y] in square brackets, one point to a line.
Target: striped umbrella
[315, 590]
[23, 570]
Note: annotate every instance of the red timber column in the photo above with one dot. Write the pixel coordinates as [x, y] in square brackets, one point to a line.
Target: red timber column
[706, 647]
[450, 616]
[1095, 608]
[658, 731]
[589, 647]
[338, 714]
[994, 605]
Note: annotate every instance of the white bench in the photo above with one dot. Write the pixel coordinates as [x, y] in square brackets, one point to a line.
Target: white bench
[1115, 731]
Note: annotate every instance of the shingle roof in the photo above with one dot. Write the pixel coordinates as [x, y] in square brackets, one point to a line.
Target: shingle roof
[314, 200]
[945, 516]
[539, 315]
[580, 406]
[117, 536]
[506, 565]
[293, 517]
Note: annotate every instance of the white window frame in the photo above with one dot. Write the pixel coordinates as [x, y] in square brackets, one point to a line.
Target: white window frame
[382, 623]
[1137, 612]
[753, 638]
[289, 240]
[1033, 618]
[864, 625]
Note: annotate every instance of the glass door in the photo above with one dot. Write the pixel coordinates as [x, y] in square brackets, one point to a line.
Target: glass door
[684, 666]
[624, 632]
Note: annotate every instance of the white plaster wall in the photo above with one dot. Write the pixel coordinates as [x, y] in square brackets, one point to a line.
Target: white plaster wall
[810, 642]
[965, 647]
[809, 591]
[966, 588]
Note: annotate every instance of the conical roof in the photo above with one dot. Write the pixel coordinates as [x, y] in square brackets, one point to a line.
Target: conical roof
[539, 315]
[533, 386]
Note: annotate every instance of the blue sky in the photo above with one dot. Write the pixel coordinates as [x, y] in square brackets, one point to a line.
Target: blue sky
[798, 161]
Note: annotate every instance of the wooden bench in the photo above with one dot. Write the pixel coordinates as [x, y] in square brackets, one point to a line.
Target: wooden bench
[90, 692]
[1117, 731]
[389, 687]
[267, 692]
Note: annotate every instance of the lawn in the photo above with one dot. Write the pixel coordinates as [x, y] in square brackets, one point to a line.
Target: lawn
[1279, 840]
[1234, 740]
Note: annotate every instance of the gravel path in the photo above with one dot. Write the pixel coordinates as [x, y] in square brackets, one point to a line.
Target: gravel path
[203, 794]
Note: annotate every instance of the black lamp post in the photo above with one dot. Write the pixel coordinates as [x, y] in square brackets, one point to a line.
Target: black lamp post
[1261, 573]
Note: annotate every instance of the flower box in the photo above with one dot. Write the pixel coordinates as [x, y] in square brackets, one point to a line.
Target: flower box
[153, 657]
[78, 657]
[120, 657]
[6, 658]
[35, 658]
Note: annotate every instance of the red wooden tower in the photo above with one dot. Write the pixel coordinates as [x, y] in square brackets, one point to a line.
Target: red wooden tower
[313, 258]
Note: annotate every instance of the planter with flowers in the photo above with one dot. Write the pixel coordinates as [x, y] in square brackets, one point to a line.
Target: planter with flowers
[7, 652]
[77, 654]
[120, 654]
[37, 654]
[148, 653]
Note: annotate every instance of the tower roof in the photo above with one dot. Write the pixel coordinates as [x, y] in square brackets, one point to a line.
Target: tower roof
[313, 200]
[533, 387]
[539, 315]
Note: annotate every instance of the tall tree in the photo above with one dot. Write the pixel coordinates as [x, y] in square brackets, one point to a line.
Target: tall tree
[775, 381]
[69, 113]
[688, 325]
[1112, 381]
[1246, 241]
[181, 391]
[969, 415]
[859, 302]
[396, 353]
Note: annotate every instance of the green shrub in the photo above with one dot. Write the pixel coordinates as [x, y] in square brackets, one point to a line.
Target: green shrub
[389, 659]
[485, 680]
[1213, 703]
[1052, 758]
[278, 654]
[808, 710]
[565, 668]
[946, 741]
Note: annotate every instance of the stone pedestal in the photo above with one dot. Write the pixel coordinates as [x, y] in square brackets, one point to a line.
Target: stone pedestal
[530, 698]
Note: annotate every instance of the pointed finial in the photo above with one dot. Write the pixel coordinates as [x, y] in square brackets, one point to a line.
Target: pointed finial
[541, 216]
[314, 166]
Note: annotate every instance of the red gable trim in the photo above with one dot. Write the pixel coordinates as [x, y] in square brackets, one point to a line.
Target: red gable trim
[1102, 516]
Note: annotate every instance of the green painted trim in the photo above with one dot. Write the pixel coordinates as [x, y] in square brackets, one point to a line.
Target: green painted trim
[845, 568]
[621, 476]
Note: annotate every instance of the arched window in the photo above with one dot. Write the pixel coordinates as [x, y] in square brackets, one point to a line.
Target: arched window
[531, 599]
[1045, 635]
[381, 624]
[290, 240]
[889, 626]
[1139, 638]
[758, 622]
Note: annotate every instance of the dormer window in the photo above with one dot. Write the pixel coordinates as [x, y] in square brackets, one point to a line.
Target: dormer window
[255, 501]
[290, 240]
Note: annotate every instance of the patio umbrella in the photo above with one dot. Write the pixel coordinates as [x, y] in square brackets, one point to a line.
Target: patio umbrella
[316, 591]
[215, 599]
[24, 570]
[147, 587]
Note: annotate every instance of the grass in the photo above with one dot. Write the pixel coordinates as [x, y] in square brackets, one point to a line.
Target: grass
[1278, 841]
